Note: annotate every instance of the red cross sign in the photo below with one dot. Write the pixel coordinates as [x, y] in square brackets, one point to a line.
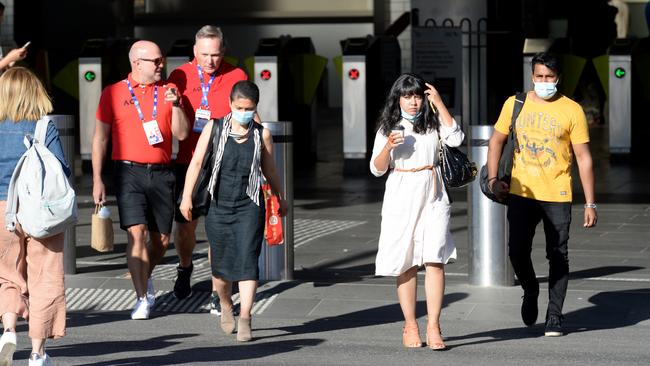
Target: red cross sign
[353, 74]
[265, 74]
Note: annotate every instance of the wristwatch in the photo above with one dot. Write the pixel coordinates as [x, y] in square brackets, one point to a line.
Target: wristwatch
[591, 205]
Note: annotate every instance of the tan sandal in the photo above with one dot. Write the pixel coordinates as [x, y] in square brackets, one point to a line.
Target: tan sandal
[227, 320]
[411, 336]
[434, 338]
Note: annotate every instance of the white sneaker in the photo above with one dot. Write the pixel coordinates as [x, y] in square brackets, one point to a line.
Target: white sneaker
[151, 293]
[36, 360]
[141, 309]
[7, 348]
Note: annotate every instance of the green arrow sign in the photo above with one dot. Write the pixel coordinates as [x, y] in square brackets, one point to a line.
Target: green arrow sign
[89, 76]
[619, 72]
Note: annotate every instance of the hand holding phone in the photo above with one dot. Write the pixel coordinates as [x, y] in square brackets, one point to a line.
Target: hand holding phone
[26, 45]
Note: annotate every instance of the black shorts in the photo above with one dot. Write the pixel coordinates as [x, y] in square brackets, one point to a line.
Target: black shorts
[180, 170]
[145, 195]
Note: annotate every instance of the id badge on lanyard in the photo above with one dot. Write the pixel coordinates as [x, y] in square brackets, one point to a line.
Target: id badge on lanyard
[151, 128]
[202, 115]
[152, 131]
[201, 118]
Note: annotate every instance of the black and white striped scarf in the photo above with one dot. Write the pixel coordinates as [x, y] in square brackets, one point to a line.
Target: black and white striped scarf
[255, 176]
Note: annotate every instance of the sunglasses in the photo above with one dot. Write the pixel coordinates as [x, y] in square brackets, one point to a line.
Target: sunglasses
[156, 61]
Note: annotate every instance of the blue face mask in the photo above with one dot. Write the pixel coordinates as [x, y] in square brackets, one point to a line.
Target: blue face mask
[410, 117]
[545, 90]
[243, 117]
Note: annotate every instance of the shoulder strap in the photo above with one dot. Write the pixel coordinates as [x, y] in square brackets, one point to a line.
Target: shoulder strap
[41, 130]
[12, 200]
[217, 133]
[520, 99]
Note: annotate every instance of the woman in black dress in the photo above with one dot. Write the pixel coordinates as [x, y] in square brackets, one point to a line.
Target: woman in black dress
[235, 222]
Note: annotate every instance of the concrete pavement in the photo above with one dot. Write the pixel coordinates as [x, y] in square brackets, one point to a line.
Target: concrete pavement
[337, 312]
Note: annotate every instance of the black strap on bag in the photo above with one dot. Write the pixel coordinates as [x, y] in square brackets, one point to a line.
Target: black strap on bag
[200, 195]
[504, 173]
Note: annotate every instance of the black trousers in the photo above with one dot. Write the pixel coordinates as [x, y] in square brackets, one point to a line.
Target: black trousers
[523, 216]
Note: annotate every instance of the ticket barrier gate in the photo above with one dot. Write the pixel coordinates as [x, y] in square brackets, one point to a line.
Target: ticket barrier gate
[101, 63]
[90, 89]
[179, 54]
[370, 66]
[288, 74]
[620, 98]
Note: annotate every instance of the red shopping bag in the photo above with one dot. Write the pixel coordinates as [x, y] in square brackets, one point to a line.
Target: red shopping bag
[273, 222]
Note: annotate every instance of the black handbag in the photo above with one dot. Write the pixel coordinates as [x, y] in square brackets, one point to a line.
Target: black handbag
[200, 195]
[505, 162]
[457, 170]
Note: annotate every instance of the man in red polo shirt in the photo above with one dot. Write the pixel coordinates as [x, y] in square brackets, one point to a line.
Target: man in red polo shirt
[140, 125]
[205, 84]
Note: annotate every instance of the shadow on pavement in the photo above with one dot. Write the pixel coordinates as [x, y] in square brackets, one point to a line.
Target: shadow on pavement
[363, 318]
[596, 272]
[610, 310]
[184, 356]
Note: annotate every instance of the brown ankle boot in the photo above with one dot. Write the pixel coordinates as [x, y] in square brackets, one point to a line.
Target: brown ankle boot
[244, 332]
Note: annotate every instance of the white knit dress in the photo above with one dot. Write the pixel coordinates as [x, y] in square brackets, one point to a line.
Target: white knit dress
[416, 210]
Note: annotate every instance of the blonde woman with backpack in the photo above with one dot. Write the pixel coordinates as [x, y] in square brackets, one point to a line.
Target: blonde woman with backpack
[31, 270]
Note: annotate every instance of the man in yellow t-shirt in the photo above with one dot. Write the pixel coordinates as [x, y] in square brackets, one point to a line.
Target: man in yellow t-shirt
[550, 129]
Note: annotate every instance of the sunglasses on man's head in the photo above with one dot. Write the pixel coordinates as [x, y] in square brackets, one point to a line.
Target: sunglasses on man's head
[156, 61]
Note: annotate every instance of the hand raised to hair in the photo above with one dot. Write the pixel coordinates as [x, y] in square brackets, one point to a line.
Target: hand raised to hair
[432, 94]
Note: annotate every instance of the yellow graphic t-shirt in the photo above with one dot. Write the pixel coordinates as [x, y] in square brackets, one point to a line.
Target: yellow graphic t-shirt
[545, 132]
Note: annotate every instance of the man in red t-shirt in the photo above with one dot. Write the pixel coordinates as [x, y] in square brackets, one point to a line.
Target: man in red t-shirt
[205, 84]
[140, 126]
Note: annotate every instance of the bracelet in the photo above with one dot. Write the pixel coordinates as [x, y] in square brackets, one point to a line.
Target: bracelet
[491, 179]
[591, 205]
[177, 103]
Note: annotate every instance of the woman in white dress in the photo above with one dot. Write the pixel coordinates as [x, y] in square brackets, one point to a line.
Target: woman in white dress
[416, 209]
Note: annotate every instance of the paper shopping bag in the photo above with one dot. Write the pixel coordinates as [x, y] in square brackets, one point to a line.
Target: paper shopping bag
[101, 231]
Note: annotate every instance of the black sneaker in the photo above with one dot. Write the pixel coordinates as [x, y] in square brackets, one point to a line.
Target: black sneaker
[529, 309]
[182, 287]
[215, 306]
[553, 326]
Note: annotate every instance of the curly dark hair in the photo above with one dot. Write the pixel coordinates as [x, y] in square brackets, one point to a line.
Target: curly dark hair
[406, 85]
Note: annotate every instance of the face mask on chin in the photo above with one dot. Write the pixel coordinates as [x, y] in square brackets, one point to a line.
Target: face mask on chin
[409, 117]
[545, 90]
[243, 117]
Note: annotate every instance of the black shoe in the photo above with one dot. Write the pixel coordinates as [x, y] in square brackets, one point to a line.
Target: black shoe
[553, 326]
[182, 287]
[529, 309]
[215, 306]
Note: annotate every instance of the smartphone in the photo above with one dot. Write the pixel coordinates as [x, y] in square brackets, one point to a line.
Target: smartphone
[27, 44]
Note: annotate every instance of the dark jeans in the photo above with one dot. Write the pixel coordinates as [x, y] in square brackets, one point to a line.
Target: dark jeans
[523, 216]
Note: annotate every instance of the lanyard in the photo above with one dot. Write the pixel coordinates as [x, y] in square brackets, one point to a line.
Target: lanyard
[137, 104]
[205, 88]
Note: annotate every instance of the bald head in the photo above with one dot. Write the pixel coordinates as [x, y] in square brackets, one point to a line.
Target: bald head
[144, 49]
[146, 62]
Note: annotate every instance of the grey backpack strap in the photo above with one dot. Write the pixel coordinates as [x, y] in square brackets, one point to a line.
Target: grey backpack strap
[41, 130]
[12, 198]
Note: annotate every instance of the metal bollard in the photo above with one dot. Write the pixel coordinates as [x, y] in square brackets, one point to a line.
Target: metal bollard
[488, 227]
[66, 125]
[276, 262]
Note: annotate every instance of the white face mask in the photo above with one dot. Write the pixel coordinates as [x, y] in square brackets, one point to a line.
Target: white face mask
[545, 90]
